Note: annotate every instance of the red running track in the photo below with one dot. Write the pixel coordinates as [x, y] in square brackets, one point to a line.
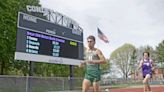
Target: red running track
[154, 89]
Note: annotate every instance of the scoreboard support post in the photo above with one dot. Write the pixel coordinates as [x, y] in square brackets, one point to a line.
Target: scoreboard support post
[71, 77]
[29, 81]
[31, 68]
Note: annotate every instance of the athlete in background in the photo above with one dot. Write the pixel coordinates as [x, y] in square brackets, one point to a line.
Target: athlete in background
[147, 67]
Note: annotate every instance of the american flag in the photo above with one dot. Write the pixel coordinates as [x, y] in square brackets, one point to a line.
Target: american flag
[102, 36]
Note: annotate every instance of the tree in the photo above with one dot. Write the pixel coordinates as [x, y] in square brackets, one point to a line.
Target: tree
[147, 48]
[160, 51]
[160, 55]
[79, 72]
[49, 69]
[106, 68]
[151, 51]
[8, 27]
[133, 63]
[122, 57]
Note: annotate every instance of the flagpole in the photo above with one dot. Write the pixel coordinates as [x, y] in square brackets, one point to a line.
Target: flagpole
[98, 40]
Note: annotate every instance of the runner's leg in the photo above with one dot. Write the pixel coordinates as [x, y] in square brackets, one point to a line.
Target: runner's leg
[96, 86]
[85, 86]
[146, 82]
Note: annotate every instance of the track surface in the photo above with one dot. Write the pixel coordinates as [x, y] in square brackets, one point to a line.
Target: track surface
[140, 89]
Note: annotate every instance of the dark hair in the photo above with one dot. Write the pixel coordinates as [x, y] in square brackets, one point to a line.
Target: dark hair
[147, 53]
[91, 37]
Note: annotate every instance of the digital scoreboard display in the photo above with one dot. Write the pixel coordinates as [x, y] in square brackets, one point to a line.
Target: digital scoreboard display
[43, 41]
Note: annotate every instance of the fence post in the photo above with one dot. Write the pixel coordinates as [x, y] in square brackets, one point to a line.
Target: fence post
[27, 84]
[63, 84]
[28, 78]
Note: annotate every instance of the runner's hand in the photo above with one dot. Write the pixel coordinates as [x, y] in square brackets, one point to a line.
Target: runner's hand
[82, 64]
[153, 68]
[90, 62]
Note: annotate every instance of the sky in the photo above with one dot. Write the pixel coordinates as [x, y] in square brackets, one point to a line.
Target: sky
[138, 22]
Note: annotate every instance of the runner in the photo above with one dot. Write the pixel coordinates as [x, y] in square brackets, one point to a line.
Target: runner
[147, 67]
[93, 58]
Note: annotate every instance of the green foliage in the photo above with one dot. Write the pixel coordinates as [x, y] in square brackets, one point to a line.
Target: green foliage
[48, 69]
[160, 55]
[8, 27]
[160, 51]
[133, 63]
[106, 67]
[123, 58]
[7, 36]
[78, 72]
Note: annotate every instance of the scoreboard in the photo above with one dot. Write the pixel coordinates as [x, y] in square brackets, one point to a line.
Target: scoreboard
[41, 40]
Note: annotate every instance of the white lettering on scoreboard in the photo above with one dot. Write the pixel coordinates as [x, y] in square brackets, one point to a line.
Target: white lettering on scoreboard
[30, 18]
[45, 11]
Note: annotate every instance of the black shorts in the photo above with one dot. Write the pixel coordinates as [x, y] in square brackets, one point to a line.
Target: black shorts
[146, 74]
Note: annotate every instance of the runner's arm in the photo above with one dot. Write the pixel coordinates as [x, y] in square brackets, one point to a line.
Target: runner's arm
[140, 65]
[101, 56]
[82, 64]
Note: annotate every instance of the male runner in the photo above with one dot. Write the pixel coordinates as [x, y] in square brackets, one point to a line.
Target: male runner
[93, 58]
[147, 67]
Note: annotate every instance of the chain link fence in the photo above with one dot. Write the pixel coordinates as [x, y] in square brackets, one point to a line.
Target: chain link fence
[38, 84]
[53, 84]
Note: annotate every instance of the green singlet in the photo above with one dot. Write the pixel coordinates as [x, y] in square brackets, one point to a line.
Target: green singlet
[93, 72]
